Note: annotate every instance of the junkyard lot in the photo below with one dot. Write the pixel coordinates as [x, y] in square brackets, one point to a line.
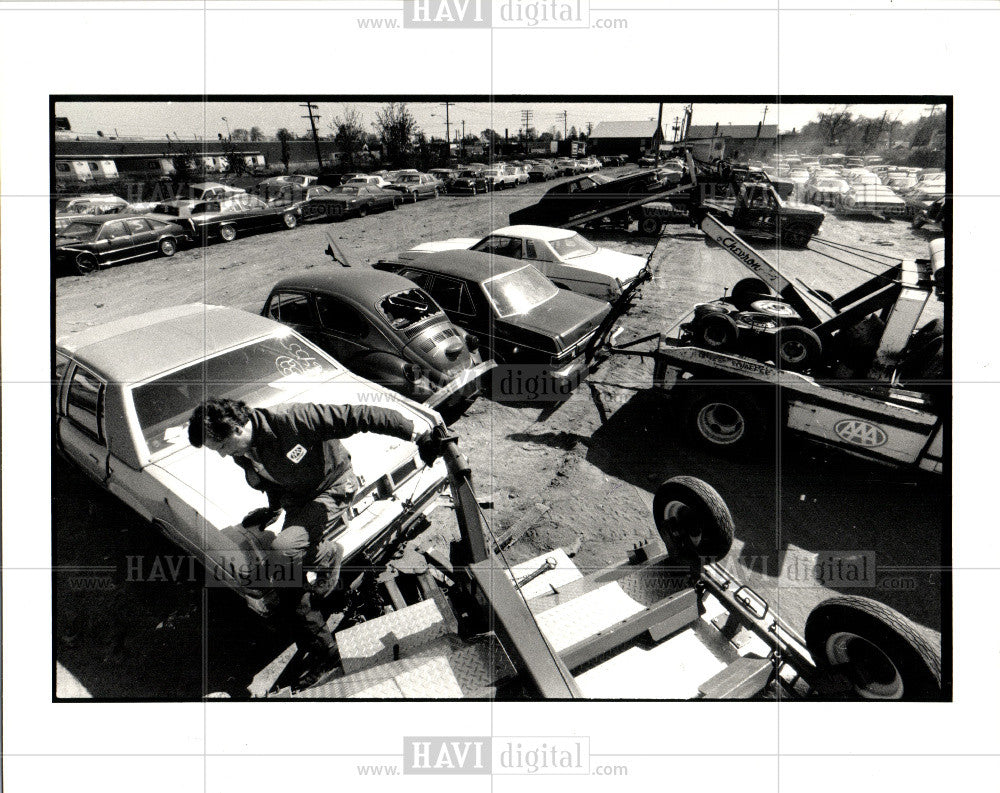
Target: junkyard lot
[592, 464]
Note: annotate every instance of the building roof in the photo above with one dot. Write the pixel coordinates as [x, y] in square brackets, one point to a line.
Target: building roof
[767, 131]
[624, 129]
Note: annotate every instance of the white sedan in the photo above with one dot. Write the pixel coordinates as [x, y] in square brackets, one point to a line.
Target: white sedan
[563, 256]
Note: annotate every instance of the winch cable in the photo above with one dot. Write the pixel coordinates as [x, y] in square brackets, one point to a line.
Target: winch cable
[861, 253]
[858, 267]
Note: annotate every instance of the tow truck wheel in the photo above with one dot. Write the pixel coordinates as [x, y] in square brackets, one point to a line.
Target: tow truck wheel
[716, 331]
[747, 291]
[881, 652]
[725, 419]
[651, 227]
[797, 348]
[692, 518]
[778, 309]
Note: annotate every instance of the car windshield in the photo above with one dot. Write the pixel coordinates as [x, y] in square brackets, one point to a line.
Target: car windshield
[571, 247]
[410, 177]
[250, 373]
[80, 231]
[348, 189]
[519, 291]
[408, 308]
[468, 174]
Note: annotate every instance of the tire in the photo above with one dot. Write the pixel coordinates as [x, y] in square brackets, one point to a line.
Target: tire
[715, 307]
[693, 519]
[436, 193]
[797, 348]
[725, 419]
[796, 235]
[651, 227]
[918, 222]
[747, 291]
[716, 331]
[168, 246]
[879, 650]
[474, 191]
[416, 196]
[778, 309]
[86, 263]
[227, 233]
[290, 220]
[363, 210]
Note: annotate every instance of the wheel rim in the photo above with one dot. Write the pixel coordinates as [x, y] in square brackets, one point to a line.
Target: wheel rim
[871, 672]
[681, 523]
[227, 233]
[714, 335]
[290, 221]
[721, 423]
[167, 247]
[86, 264]
[793, 351]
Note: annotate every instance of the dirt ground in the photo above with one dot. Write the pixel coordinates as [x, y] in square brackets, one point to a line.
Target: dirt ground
[594, 462]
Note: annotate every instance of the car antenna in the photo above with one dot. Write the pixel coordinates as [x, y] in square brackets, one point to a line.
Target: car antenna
[334, 252]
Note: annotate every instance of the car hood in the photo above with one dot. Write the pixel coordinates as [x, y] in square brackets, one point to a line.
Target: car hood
[567, 317]
[622, 266]
[215, 487]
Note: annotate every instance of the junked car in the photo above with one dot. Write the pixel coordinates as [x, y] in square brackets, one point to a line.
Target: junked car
[89, 243]
[826, 191]
[874, 199]
[125, 391]
[541, 172]
[518, 315]
[373, 180]
[569, 260]
[470, 180]
[226, 217]
[922, 196]
[413, 186]
[206, 191]
[383, 328]
[352, 198]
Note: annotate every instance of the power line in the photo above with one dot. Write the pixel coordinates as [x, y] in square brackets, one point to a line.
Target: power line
[312, 122]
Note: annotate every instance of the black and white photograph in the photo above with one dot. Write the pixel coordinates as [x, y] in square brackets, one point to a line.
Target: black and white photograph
[581, 396]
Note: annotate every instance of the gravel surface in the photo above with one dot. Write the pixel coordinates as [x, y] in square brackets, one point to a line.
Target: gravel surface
[594, 462]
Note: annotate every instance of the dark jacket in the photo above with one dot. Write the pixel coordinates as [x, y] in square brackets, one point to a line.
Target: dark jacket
[299, 449]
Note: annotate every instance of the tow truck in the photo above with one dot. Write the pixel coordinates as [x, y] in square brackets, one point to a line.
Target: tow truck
[746, 198]
[847, 371]
[669, 622]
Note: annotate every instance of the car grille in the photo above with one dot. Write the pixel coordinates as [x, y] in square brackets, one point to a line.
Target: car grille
[429, 344]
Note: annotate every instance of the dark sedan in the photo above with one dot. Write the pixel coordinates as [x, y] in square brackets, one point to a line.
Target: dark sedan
[541, 172]
[226, 217]
[350, 199]
[471, 180]
[413, 186]
[516, 312]
[382, 327]
[87, 244]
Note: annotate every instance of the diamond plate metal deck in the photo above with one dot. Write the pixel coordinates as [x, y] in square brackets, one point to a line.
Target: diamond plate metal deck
[446, 668]
[373, 642]
[571, 622]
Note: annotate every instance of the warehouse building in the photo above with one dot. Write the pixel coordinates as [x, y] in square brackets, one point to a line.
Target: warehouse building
[634, 138]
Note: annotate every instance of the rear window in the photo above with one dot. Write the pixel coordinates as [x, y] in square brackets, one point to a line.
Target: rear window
[405, 309]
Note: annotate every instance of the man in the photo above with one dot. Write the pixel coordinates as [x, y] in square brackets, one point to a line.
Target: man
[293, 454]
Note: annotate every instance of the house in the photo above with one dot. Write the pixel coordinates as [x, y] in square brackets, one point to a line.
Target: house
[739, 141]
[634, 138]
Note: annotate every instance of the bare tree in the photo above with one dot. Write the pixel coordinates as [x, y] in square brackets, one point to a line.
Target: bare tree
[241, 135]
[286, 152]
[396, 127]
[350, 134]
[256, 134]
[835, 124]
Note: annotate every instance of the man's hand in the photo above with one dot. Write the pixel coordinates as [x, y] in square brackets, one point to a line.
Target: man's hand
[429, 446]
[261, 518]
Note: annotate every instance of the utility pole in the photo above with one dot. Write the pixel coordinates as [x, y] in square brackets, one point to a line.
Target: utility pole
[312, 121]
[564, 124]
[526, 119]
[461, 147]
[447, 124]
[764, 118]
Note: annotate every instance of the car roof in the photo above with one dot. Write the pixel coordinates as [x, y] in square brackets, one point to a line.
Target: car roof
[468, 265]
[205, 185]
[138, 347]
[362, 285]
[537, 232]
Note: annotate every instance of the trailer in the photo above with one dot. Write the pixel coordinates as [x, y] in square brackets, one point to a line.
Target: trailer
[668, 622]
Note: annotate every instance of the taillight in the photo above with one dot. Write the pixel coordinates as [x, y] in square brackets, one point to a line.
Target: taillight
[472, 343]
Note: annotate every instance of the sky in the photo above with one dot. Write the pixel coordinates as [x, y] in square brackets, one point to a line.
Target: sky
[155, 119]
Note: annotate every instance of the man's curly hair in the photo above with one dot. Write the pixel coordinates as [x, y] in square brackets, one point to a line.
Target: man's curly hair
[218, 419]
